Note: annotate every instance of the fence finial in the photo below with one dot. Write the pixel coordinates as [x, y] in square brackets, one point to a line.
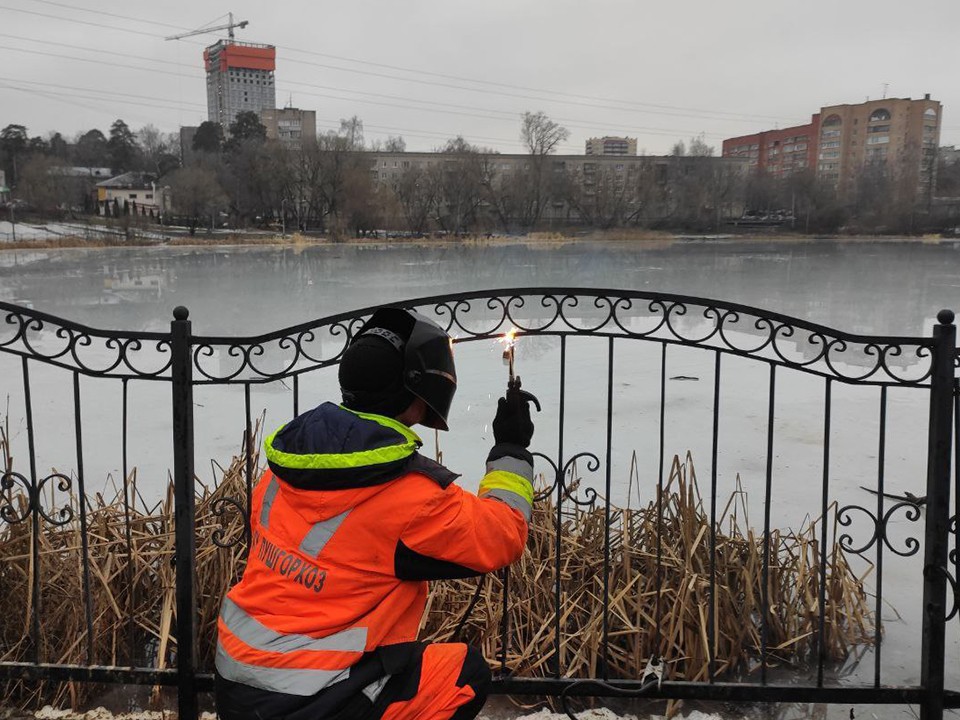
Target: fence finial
[181, 313]
[945, 316]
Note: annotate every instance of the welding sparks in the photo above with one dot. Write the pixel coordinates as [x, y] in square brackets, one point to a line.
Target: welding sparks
[509, 341]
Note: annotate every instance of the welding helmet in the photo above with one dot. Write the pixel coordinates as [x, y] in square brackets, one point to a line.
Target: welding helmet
[399, 355]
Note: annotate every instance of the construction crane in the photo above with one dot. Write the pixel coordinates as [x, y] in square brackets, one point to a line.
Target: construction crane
[228, 27]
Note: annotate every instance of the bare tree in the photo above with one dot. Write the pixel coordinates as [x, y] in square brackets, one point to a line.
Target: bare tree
[196, 194]
[699, 148]
[395, 144]
[541, 136]
[416, 191]
[352, 131]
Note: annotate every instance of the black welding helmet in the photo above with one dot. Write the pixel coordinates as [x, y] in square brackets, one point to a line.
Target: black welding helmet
[396, 356]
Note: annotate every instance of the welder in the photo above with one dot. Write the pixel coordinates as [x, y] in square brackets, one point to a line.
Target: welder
[348, 524]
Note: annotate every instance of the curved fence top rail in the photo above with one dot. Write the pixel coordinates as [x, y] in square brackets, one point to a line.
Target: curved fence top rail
[479, 315]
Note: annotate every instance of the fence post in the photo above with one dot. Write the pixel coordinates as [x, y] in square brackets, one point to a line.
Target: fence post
[936, 533]
[181, 374]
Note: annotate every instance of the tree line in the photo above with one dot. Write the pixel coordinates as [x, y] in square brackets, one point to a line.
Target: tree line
[328, 184]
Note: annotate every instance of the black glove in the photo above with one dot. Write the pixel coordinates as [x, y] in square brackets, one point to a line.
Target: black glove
[512, 423]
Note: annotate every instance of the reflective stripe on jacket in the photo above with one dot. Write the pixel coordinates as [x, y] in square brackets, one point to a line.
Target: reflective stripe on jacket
[347, 524]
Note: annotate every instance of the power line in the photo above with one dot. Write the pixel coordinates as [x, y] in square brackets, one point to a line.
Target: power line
[88, 60]
[674, 111]
[108, 93]
[80, 22]
[478, 113]
[189, 66]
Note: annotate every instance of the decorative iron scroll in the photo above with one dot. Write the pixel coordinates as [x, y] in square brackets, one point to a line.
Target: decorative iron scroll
[100, 353]
[14, 487]
[674, 319]
[879, 534]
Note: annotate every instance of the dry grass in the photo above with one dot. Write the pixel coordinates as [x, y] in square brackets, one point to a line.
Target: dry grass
[133, 595]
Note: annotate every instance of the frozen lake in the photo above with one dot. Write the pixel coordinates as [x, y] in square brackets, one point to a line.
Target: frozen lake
[884, 287]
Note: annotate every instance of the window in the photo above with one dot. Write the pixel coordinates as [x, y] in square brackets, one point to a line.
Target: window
[880, 115]
[832, 121]
[133, 196]
[878, 129]
[831, 144]
[830, 133]
[878, 140]
[148, 196]
[830, 154]
[930, 113]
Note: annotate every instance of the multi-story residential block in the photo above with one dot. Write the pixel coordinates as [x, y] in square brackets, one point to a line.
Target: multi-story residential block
[611, 146]
[778, 152]
[893, 137]
[240, 77]
[291, 126]
[580, 188]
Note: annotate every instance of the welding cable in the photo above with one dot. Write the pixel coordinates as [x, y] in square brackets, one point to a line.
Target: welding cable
[466, 615]
[608, 690]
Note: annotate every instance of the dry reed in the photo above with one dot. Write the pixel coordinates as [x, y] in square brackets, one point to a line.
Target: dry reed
[133, 592]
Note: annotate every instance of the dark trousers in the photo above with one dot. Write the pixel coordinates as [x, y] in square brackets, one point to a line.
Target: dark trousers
[441, 681]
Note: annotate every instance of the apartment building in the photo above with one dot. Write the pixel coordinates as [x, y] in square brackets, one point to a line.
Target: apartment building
[897, 137]
[290, 126]
[651, 184]
[611, 146]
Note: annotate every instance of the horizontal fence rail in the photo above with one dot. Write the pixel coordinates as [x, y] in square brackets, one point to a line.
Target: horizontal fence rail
[723, 333]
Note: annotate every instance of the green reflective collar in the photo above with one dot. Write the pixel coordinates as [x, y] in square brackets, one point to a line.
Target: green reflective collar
[337, 461]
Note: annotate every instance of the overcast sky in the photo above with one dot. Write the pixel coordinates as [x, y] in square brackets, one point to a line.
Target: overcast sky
[432, 69]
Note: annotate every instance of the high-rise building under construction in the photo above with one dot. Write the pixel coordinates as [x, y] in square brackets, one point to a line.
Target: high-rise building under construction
[239, 78]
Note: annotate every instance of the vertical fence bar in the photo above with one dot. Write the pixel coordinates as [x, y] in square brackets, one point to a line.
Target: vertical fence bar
[560, 486]
[881, 463]
[82, 503]
[956, 480]
[296, 395]
[824, 500]
[605, 643]
[937, 531]
[181, 374]
[663, 403]
[765, 602]
[248, 465]
[711, 611]
[128, 531]
[34, 513]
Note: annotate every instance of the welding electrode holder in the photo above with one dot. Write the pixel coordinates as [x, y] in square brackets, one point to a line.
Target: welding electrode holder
[516, 394]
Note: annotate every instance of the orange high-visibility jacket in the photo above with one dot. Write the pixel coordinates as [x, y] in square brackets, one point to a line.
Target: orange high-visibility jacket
[347, 525]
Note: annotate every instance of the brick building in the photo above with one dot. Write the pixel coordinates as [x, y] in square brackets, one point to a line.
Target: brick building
[778, 152]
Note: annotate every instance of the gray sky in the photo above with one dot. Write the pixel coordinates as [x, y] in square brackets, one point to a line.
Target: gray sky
[432, 69]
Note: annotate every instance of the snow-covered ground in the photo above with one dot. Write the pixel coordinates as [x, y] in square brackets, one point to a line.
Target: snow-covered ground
[52, 231]
[49, 713]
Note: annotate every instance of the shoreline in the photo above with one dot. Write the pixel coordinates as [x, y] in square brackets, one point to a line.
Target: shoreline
[642, 238]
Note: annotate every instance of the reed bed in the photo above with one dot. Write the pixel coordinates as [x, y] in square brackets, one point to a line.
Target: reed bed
[660, 609]
[655, 609]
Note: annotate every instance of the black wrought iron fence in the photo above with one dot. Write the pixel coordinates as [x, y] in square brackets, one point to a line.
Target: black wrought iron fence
[774, 346]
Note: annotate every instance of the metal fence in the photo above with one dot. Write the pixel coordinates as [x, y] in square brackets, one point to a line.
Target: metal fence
[774, 343]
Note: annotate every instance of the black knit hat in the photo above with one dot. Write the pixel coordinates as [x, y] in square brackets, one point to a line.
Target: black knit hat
[371, 377]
